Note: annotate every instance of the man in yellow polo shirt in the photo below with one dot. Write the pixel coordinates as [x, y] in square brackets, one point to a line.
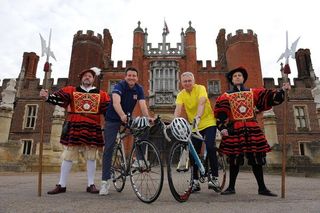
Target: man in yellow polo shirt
[194, 99]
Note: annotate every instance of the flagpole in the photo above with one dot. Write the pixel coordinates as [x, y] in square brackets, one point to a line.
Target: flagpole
[47, 68]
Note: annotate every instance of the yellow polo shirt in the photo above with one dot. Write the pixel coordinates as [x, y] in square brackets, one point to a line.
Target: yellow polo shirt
[191, 102]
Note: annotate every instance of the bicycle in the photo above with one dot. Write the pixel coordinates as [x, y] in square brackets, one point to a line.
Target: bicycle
[144, 165]
[179, 170]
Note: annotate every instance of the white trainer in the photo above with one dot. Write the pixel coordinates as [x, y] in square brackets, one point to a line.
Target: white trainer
[214, 184]
[104, 189]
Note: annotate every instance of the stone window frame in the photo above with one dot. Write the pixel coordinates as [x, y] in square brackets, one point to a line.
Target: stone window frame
[164, 79]
[211, 89]
[25, 143]
[26, 124]
[305, 147]
[163, 82]
[305, 116]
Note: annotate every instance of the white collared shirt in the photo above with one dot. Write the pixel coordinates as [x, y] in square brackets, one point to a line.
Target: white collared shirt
[87, 89]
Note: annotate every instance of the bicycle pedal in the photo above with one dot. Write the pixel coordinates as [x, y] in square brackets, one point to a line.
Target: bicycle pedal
[182, 170]
[134, 170]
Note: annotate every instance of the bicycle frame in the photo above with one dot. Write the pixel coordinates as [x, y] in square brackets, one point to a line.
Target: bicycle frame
[179, 180]
[122, 134]
[192, 150]
[146, 175]
[119, 142]
[196, 158]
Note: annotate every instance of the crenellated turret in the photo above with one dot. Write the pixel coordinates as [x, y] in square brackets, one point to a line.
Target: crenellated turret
[87, 51]
[221, 46]
[190, 49]
[242, 49]
[138, 44]
[107, 47]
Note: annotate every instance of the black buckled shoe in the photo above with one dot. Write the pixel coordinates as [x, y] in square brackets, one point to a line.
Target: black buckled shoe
[267, 192]
[228, 191]
[57, 190]
[92, 189]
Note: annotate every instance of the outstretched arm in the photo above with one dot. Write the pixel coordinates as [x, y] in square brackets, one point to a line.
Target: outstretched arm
[266, 98]
[60, 98]
[116, 98]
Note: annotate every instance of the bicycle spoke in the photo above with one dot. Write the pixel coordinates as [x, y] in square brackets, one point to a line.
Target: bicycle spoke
[146, 171]
[118, 169]
[179, 175]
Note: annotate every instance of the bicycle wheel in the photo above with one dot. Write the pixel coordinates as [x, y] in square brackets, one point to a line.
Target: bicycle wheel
[146, 171]
[118, 169]
[222, 169]
[179, 171]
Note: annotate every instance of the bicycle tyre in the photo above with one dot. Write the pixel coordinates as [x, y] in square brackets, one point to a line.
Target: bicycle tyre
[146, 179]
[118, 169]
[179, 177]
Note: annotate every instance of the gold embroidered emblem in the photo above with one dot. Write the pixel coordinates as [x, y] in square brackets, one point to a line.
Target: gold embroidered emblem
[241, 104]
[86, 102]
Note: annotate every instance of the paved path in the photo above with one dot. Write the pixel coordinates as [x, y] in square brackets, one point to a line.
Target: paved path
[18, 193]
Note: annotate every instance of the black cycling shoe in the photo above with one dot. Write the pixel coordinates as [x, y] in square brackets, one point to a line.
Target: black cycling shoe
[228, 191]
[267, 192]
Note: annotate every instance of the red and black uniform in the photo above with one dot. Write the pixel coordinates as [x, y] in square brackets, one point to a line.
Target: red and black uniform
[83, 119]
[236, 111]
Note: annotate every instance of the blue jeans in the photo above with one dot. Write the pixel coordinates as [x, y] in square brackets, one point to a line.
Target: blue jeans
[209, 135]
[111, 130]
[110, 134]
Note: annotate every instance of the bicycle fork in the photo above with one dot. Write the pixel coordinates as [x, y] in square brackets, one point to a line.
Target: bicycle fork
[196, 158]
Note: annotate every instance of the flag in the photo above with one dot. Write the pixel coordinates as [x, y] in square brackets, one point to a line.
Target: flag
[166, 27]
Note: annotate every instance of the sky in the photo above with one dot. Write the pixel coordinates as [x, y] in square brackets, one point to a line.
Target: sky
[21, 22]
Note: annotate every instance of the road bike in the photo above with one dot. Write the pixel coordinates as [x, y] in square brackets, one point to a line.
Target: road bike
[179, 170]
[144, 166]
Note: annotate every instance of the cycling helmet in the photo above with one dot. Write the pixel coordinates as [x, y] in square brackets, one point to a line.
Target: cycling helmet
[180, 129]
[139, 126]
